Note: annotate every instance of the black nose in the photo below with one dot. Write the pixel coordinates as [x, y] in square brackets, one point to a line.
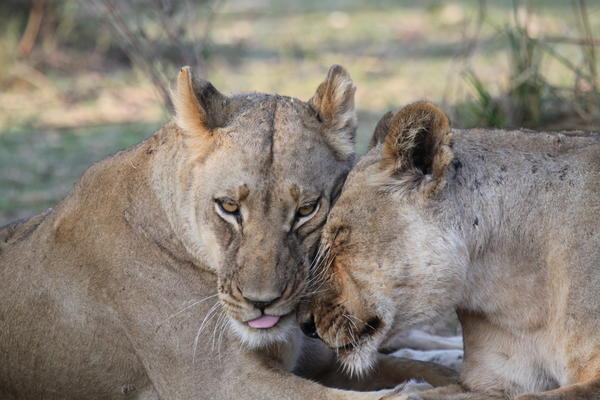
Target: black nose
[261, 304]
[309, 328]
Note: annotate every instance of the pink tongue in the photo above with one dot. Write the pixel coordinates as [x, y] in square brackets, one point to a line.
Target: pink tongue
[266, 321]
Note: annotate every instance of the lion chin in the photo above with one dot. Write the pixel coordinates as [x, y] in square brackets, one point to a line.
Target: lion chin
[256, 338]
[358, 361]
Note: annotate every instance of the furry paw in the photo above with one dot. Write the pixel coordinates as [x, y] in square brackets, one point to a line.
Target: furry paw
[408, 391]
[528, 396]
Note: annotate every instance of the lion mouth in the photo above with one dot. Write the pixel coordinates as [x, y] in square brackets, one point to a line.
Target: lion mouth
[264, 322]
[347, 347]
[371, 326]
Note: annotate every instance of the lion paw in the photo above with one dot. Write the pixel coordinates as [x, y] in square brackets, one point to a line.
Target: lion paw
[408, 391]
[528, 396]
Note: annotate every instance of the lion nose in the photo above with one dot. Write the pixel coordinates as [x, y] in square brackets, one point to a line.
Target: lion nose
[261, 304]
[309, 328]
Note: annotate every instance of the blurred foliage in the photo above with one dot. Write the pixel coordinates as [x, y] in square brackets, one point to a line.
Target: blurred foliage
[158, 36]
[39, 167]
[67, 35]
[93, 76]
[529, 98]
[526, 87]
[484, 110]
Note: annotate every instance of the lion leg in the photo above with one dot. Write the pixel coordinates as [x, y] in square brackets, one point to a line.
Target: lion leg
[579, 391]
[450, 392]
[412, 391]
[394, 370]
[390, 371]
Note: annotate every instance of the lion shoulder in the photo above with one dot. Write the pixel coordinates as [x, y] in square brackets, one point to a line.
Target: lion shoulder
[22, 228]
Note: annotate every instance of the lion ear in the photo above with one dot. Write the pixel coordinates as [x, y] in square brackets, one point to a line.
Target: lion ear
[199, 107]
[418, 138]
[381, 130]
[334, 104]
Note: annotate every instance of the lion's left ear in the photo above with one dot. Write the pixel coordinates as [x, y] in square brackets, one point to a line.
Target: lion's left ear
[418, 139]
[334, 104]
[199, 107]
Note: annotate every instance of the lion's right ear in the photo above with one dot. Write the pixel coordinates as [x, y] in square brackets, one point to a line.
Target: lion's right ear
[418, 139]
[334, 104]
[199, 107]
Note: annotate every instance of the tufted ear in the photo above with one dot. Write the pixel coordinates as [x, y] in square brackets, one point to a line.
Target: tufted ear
[199, 107]
[418, 138]
[381, 130]
[334, 104]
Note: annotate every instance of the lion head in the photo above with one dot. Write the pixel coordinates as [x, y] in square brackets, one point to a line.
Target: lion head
[254, 176]
[384, 261]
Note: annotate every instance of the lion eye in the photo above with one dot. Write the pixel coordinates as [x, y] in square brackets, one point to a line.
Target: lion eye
[228, 206]
[306, 209]
[304, 213]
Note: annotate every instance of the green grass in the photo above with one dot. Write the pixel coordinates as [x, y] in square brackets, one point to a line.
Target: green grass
[40, 167]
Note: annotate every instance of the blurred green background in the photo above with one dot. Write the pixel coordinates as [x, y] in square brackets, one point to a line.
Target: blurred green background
[82, 79]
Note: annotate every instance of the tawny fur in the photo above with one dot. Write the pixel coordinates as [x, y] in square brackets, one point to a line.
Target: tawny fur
[133, 286]
[509, 240]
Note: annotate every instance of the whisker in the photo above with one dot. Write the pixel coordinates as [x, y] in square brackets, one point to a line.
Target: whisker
[337, 346]
[312, 293]
[215, 329]
[318, 256]
[186, 308]
[349, 327]
[207, 318]
[318, 277]
[355, 318]
[347, 316]
[226, 324]
[360, 320]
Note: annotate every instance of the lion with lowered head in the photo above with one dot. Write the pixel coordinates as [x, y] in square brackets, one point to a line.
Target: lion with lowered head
[500, 225]
[173, 268]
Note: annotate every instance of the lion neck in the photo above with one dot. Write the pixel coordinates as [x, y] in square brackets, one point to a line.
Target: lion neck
[170, 177]
[121, 195]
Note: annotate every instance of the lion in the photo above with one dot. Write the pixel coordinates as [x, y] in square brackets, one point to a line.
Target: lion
[173, 269]
[501, 226]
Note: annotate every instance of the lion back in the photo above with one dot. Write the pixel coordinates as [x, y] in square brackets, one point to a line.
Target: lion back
[21, 229]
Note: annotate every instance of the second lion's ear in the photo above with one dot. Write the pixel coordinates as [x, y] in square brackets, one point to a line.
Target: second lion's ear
[199, 107]
[334, 104]
[381, 130]
[418, 139]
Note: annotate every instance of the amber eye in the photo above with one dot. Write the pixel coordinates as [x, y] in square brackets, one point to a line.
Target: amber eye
[307, 209]
[229, 206]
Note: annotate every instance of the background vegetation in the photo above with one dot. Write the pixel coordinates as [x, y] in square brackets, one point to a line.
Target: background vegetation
[82, 79]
